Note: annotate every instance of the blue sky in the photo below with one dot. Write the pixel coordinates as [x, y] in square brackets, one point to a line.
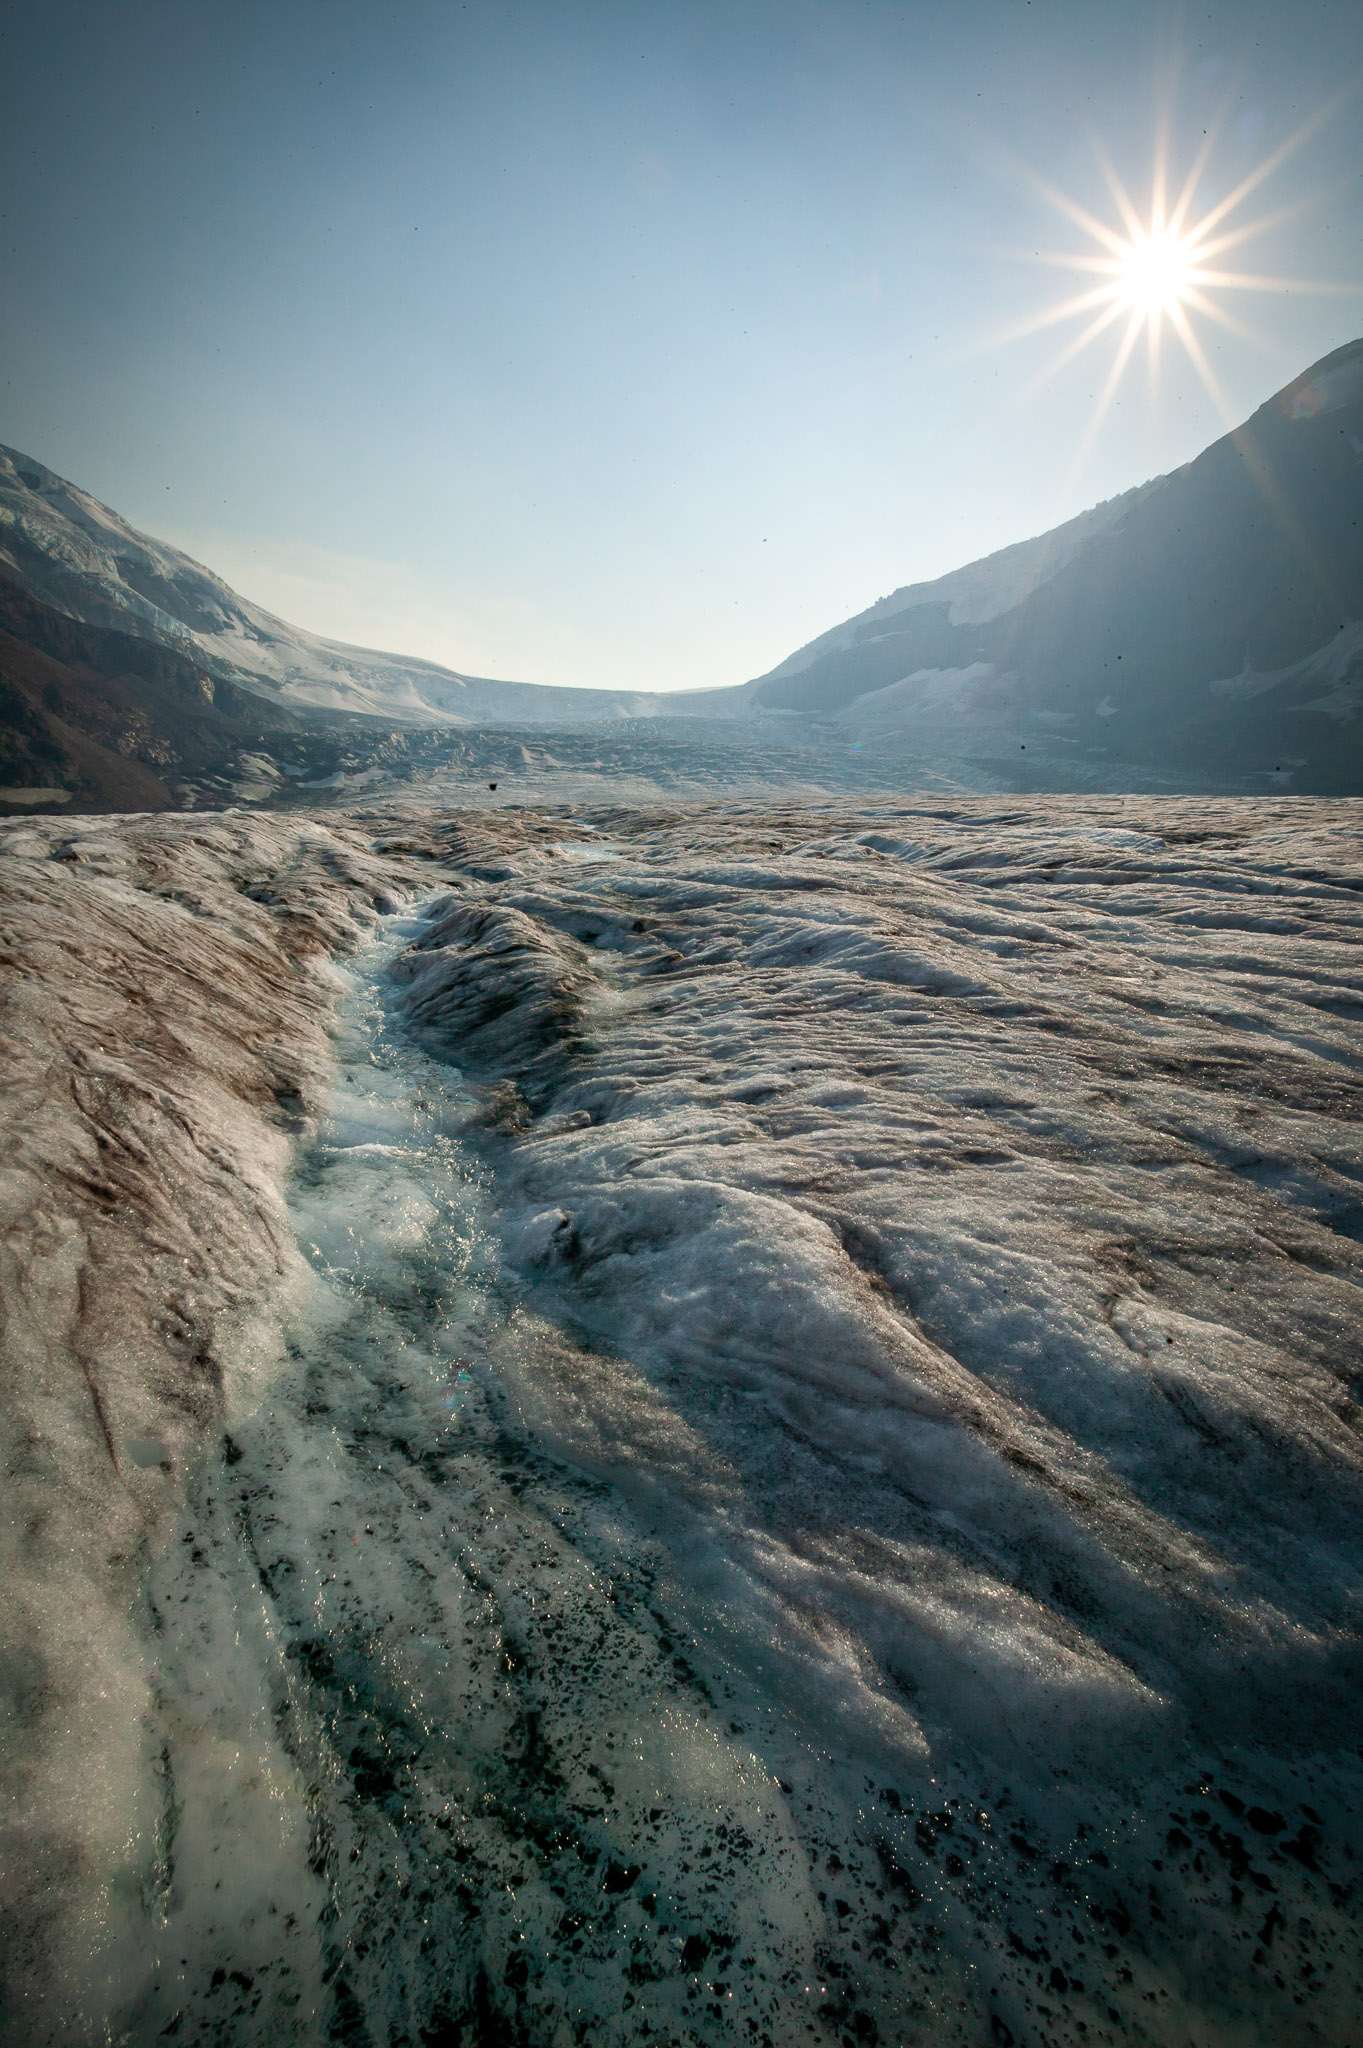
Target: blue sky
[625, 344]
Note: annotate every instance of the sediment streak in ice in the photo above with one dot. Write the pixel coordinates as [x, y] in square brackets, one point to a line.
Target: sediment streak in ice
[436, 1760]
[164, 1003]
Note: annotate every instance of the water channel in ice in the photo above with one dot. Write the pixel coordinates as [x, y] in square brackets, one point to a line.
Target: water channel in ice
[440, 1757]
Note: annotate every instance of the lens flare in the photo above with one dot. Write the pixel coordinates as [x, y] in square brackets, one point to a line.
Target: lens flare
[1164, 268]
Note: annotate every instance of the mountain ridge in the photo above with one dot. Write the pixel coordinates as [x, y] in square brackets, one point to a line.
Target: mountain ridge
[979, 590]
[1203, 627]
[1246, 562]
[79, 556]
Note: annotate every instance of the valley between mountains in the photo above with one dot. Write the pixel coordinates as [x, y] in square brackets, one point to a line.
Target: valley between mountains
[1200, 632]
[685, 1422]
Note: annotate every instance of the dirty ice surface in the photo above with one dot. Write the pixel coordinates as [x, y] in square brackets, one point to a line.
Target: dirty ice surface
[816, 1498]
[439, 1757]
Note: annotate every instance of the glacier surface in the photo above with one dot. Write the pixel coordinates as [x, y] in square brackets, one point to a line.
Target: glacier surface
[793, 1473]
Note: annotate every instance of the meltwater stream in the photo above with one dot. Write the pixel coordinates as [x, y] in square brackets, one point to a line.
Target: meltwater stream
[463, 1734]
[436, 1763]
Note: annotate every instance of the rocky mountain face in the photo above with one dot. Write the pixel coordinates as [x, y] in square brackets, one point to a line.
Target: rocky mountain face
[93, 719]
[73, 553]
[1206, 627]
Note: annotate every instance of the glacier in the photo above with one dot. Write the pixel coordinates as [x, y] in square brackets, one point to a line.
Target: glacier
[685, 1421]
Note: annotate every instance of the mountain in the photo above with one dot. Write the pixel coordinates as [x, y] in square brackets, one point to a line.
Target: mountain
[1203, 631]
[82, 559]
[1206, 628]
[100, 720]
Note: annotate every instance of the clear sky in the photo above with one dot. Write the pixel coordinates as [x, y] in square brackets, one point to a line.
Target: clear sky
[630, 344]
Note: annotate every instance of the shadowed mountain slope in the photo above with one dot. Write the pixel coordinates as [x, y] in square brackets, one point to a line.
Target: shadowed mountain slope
[92, 719]
[1209, 624]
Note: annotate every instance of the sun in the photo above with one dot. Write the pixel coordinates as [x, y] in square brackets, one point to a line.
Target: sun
[1162, 267]
[1153, 276]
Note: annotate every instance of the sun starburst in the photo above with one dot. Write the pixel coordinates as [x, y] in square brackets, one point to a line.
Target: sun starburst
[1164, 268]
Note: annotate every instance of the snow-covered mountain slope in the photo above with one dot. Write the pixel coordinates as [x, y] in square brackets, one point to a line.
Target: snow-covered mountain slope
[78, 556]
[1207, 623]
[981, 591]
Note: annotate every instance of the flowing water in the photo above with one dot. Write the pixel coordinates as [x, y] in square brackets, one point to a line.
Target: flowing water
[441, 1756]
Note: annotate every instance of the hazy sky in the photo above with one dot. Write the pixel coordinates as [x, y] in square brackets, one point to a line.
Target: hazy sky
[625, 344]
